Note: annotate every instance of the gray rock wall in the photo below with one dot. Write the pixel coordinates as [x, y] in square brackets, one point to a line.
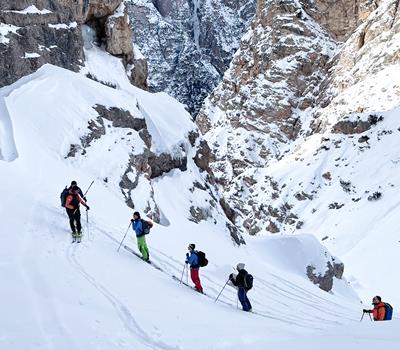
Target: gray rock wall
[53, 37]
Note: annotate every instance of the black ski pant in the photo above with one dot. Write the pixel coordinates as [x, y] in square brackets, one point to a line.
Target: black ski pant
[74, 217]
[244, 300]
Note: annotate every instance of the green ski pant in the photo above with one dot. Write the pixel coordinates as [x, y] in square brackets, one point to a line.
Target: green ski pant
[142, 246]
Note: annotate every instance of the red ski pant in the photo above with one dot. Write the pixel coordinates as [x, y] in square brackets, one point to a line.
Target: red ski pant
[194, 274]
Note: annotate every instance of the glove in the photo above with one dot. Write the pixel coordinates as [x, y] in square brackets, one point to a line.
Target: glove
[84, 198]
[231, 276]
[87, 207]
[132, 220]
[187, 255]
[365, 311]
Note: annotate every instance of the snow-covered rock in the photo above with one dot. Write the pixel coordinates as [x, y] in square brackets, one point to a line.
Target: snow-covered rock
[296, 157]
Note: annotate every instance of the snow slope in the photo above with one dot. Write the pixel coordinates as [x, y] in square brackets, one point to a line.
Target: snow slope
[58, 295]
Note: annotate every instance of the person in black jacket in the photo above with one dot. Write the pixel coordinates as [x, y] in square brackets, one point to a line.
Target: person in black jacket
[239, 281]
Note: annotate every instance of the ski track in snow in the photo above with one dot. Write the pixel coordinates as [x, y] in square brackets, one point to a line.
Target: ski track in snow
[269, 290]
[41, 293]
[122, 310]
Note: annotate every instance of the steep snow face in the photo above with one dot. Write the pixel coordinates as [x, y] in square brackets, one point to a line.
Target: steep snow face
[168, 140]
[339, 159]
[83, 296]
[188, 43]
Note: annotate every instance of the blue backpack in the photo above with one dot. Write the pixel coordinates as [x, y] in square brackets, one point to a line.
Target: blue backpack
[388, 312]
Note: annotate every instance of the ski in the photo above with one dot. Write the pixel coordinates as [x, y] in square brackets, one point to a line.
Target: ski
[130, 250]
[187, 285]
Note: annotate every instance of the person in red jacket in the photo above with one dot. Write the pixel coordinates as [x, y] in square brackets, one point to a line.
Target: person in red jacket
[72, 206]
[379, 310]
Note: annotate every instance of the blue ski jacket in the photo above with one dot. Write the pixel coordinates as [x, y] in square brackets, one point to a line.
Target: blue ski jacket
[193, 260]
[137, 226]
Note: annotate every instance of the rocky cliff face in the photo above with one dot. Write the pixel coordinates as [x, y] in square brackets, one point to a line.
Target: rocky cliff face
[35, 32]
[188, 43]
[95, 38]
[293, 78]
[276, 72]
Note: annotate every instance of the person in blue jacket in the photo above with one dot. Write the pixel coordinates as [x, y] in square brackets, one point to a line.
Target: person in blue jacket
[193, 260]
[137, 226]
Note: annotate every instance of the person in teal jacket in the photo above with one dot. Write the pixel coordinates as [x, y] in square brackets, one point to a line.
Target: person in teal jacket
[137, 226]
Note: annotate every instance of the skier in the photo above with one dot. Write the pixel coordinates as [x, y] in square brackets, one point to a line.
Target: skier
[241, 281]
[193, 260]
[74, 183]
[72, 206]
[379, 310]
[137, 226]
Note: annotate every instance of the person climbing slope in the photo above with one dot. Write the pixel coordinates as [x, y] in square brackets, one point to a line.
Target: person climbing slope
[74, 183]
[244, 281]
[138, 227]
[193, 260]
[381, 311]
[72, 203]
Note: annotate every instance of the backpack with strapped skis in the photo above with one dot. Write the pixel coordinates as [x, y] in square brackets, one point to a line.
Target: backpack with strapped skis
[146, 225]
[388, 312]
[248, 282]
[202, 258]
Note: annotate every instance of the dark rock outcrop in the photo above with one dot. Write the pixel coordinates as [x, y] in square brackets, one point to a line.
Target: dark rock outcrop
[325, 281]
[188, 44]
[48, 33]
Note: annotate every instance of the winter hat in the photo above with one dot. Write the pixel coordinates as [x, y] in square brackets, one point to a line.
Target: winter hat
[74, 183]
[377, 297]
[136, 213]
[192, 246]
[240, 266]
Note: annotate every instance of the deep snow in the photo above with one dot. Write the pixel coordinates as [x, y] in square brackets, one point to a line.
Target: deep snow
[58, 295]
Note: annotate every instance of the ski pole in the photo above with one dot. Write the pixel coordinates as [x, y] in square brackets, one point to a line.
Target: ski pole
[183, 271]
[123, 238]
[84, 195]
[221, 290]
[187, 275]
[87, 224]
[362, 316]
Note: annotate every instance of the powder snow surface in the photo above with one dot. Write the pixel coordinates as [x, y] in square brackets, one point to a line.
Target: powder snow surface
[58, 295]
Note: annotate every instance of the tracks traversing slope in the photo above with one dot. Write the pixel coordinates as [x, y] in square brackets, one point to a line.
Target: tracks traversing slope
[329, 312]
[126, 317]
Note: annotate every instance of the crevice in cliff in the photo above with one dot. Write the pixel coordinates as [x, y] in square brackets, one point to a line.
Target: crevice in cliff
[99, 27]
[361, 39]
[396, 8]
